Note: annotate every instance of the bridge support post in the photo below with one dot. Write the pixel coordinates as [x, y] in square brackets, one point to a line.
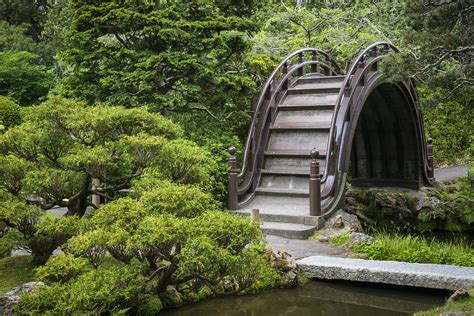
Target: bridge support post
[429, 153]
[314, 185]
[232, 183]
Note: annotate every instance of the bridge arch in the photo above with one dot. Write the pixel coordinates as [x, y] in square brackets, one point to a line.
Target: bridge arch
[384, 141]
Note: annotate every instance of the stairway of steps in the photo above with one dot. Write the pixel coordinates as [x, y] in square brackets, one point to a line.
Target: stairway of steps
[302, 123]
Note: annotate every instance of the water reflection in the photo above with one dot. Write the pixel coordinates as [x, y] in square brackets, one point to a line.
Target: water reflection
[320, 298]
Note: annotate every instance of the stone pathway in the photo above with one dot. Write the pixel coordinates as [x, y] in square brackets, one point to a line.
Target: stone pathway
[448, 174]
[432, 276]
[303, 248]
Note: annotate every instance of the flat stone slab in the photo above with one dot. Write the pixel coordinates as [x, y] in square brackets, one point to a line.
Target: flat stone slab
[433, 276]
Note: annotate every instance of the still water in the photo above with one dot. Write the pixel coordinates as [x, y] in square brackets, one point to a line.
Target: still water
[319, 298]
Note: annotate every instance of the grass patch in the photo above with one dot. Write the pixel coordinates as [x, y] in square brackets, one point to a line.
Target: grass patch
[466, 305]
[410, 248]
[15, 271]
[340, 240]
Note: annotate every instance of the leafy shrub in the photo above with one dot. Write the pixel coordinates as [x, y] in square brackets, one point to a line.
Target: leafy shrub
[62, 268]
[8, 241]
[10, 113]
[24, 79]
[181, 200]
[106, 289]
[51, 233]
[172, 236]
[183, 161]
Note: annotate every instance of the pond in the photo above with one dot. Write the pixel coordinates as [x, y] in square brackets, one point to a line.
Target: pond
[320, 298]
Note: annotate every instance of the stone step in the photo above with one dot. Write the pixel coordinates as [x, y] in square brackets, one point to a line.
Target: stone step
[281, 218]
[288, 230]
[302, 126]
[323, 84]
[314, 78]
[308, 106]
[279, 205]
[298, 115]
[318, 87]
[289, 171]
[304, 140]
[284, 181]
[310, 99]
[289, 162]
[292, 153]
[282, 192]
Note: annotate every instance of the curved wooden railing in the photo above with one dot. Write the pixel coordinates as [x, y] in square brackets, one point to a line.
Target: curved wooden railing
[365, 62]
[271, 92]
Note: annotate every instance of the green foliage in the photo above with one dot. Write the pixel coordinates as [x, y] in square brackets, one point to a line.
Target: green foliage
[106, 289]
[8, 241]
[340, 240]
[18, 214]
[10, 113]
[181, 200]
[12, 172]
[168, 55]
[64, 144]
[22, 77]
[183, 161]
[410, 248]
[449, 123]
[62, 269]
[169, 235]
[326, 26]
[457, 205]
[51, 233]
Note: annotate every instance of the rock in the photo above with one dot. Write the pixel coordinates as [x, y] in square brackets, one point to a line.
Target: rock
[426, 202]
[452, 314]
[11, 298]
[342, 219]
[338, 222]
[172, 294]
[323, 239]
[360, 238]
[284, 262]
[459, 295]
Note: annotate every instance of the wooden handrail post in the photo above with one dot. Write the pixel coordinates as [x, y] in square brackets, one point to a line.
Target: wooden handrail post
[285, 71]
[373, 54]
[232, 184]
[300, 71]
[361, 65]
[314, 185]
[429, 153]
[314, 67]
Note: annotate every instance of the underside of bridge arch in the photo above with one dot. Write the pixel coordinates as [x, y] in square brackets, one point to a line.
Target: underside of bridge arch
[385, 147]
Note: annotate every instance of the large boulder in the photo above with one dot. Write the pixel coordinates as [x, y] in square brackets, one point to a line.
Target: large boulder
[11, 298]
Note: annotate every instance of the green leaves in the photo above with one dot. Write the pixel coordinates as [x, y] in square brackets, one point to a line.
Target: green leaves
[22, 78]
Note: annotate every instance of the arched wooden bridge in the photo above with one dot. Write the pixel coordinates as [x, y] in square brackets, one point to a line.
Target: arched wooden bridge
[361, 125]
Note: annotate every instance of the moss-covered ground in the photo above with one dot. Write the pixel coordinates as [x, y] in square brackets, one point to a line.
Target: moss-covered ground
[15, 271]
